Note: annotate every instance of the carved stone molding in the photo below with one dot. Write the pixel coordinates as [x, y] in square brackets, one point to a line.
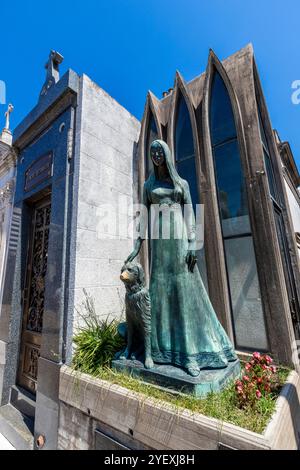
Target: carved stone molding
[6, 193]
[8, 159]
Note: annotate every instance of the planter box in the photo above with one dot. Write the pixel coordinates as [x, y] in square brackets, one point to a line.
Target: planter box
[91, 407]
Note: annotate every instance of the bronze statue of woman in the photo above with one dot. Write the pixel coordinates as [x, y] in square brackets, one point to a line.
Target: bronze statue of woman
[185, 330]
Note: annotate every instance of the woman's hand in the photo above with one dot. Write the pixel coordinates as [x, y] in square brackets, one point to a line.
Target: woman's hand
[191, 259]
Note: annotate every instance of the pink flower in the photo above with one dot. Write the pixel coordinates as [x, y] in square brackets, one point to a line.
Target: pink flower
[248, 366]
[246, 378]
[258, 394]
[256, 355]
[269, 360]
[273, 369]
[259, 380]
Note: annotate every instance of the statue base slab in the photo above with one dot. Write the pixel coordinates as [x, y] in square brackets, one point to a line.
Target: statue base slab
[172, 378]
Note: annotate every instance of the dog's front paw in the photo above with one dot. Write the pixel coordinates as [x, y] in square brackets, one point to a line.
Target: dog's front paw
[124, 355]
[149, 363]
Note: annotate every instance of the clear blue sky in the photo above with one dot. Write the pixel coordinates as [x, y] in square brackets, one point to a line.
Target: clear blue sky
[130, 46]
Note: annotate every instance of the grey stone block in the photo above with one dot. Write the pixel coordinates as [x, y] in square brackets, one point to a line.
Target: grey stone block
[16, 427]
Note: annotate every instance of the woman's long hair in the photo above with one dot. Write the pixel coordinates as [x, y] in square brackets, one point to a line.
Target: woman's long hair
[176, 180]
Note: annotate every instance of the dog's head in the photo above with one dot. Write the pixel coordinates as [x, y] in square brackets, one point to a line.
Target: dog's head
[132, 274]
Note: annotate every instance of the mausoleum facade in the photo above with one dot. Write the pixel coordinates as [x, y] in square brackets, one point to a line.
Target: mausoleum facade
[223, 142]
[79, 150]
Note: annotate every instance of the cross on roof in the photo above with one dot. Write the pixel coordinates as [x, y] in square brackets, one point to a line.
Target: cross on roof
[52, 74]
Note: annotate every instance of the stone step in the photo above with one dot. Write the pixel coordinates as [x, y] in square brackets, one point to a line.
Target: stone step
[16, 427]
[23, 401]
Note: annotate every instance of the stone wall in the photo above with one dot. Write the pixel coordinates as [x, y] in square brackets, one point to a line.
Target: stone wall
[107, 146]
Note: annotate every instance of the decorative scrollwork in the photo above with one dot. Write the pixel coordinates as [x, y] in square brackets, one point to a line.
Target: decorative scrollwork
[32, 356]
[38, 269]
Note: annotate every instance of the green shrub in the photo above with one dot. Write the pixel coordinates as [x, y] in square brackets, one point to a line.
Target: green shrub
[96, 341]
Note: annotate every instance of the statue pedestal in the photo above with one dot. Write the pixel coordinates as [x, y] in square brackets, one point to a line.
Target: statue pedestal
[176, 379]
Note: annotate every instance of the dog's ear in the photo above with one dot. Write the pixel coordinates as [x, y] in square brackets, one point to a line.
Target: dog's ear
[141, 274]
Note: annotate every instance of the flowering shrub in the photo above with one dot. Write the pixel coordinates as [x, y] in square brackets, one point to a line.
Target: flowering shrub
[259, 380]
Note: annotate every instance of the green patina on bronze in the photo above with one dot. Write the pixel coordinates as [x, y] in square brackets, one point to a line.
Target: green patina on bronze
[185, 331]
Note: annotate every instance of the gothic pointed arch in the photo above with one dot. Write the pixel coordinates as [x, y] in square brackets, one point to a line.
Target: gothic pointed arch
[151, 129]
[226, 154]
[215, 66]
[181, 91]
[184, 142]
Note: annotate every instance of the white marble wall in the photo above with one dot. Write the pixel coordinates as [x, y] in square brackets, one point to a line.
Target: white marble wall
[106, 140]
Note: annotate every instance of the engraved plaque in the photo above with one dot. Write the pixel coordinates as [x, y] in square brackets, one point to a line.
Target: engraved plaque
[39, 171]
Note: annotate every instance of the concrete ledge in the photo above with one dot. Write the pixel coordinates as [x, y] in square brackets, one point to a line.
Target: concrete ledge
[158, 426]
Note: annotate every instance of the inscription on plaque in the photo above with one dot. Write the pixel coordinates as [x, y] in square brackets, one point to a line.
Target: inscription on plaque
[38, 172]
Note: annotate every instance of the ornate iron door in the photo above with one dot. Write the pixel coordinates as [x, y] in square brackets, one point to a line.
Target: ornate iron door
[33, 295]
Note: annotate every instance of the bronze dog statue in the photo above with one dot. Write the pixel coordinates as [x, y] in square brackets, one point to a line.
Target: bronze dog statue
[138, 314]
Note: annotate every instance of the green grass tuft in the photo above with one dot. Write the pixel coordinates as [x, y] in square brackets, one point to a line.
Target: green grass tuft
[96, 341]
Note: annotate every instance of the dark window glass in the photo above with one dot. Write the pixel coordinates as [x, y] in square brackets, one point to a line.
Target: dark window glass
[187, 171]
[222, 125]
[231, 189]
[152, 134]
[267, 158]
[270, 174]
[288, 272]
[262, 131]
[247, 311]
[184, 144]
[186, 165]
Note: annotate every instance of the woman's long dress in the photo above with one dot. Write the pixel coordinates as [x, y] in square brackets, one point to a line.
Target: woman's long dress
[185, 328]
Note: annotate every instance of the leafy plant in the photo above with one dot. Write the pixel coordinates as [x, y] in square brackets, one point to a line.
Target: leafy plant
[97, 339]
[259, 380]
